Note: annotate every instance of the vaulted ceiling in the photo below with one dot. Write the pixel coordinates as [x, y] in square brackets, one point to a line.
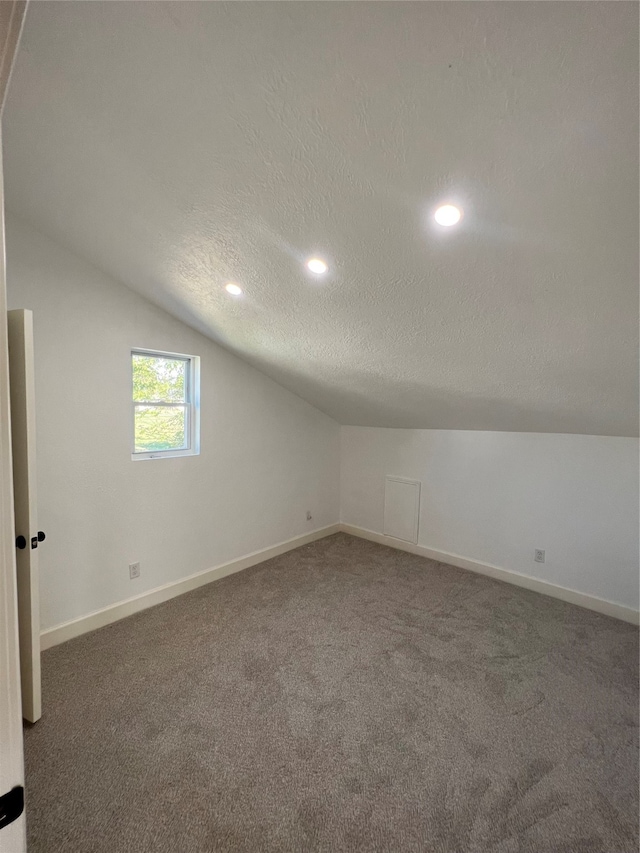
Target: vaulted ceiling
[180, 146]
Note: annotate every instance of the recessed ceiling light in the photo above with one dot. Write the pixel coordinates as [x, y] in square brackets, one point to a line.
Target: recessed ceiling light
[447, 214]
[233, 289]
[317, 266]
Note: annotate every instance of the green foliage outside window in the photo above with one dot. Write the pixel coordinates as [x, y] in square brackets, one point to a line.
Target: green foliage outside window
[159, 380]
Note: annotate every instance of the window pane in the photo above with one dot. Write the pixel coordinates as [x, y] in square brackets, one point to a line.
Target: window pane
[160, 428]
[158, 380]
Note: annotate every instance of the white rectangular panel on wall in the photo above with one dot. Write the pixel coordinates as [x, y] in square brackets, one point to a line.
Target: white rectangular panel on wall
[401, 508]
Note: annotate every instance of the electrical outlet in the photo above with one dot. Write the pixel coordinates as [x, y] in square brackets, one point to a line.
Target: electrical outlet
[309, 516]
[134, 570]
[538, 556]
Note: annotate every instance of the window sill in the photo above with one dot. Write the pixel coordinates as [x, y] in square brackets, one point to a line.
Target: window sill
[163, 454]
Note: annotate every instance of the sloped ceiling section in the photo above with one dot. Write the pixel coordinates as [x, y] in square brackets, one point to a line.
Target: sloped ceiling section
[179, 146]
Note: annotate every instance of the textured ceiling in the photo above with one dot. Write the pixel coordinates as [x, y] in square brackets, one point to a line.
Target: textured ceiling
[181, 145]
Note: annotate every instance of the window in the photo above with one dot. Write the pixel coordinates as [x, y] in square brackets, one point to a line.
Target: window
[166, 404]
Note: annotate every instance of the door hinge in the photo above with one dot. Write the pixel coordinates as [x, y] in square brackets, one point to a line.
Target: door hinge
[11, 806]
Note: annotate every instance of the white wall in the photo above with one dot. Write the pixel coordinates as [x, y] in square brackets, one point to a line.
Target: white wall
[266, 455]
[495, 496]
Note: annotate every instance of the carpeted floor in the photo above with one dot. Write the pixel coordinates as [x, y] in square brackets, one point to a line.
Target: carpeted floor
[342, 697]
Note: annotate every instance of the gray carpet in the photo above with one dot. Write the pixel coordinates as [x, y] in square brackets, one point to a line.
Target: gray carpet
[342, 697]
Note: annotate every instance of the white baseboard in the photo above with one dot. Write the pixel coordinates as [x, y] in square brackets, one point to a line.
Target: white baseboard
[115, 612]
[591, 602]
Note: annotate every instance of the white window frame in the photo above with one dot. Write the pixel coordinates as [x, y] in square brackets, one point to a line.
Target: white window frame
[192, 403]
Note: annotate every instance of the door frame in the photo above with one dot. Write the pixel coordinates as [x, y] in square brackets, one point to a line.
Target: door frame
[13, 836]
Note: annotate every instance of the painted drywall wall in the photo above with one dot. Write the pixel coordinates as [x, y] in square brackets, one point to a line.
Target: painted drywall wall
[266, 455]
[494, 497]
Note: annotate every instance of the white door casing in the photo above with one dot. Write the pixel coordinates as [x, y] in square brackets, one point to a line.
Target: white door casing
[13, 836]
